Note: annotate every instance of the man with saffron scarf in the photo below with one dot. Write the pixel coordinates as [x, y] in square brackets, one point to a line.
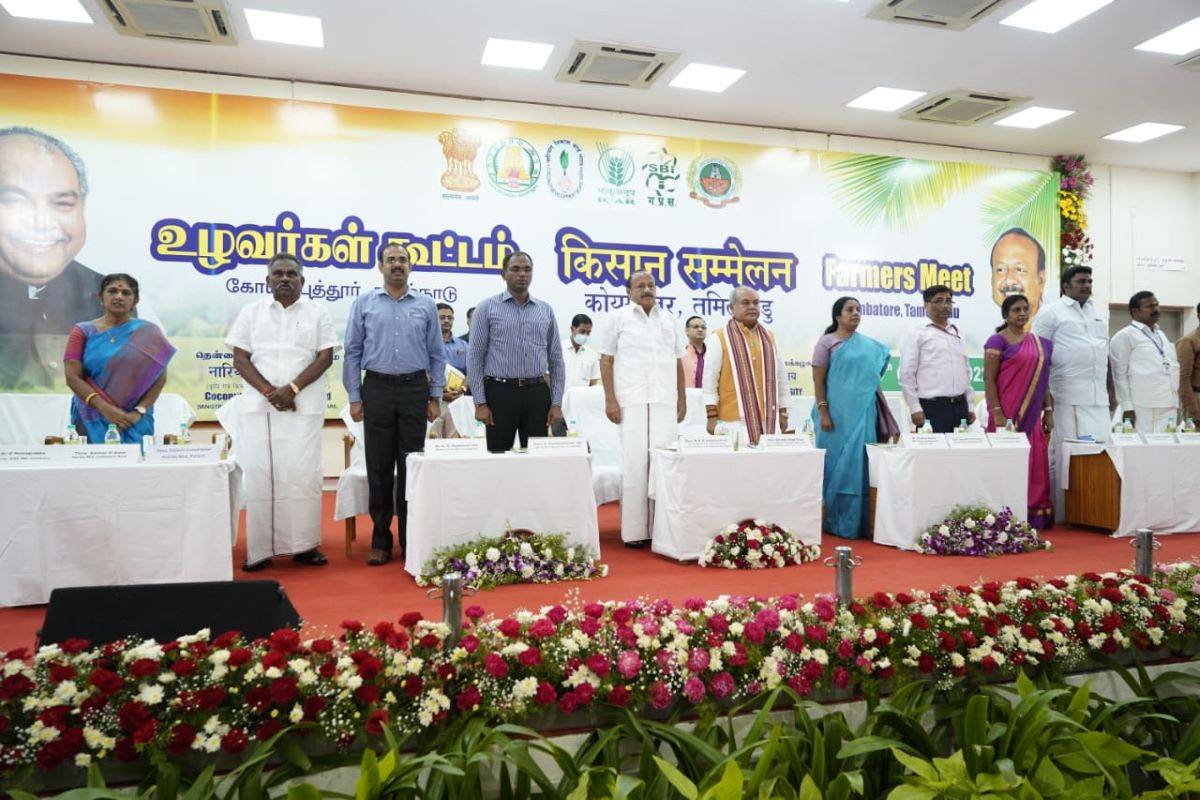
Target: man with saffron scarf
[282, 346]
[116, 366]
[745, 386]
[640, 348]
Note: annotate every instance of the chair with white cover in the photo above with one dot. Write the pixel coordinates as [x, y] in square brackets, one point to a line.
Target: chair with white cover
[353, 492]
[30, 418]
[171, 412]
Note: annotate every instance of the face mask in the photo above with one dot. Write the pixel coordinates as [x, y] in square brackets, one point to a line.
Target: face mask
[580, 339]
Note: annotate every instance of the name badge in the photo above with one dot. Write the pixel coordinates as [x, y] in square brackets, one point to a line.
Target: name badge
[785, 441]
[558, 445]
[702, 443]
[924, 441]
[440, 448]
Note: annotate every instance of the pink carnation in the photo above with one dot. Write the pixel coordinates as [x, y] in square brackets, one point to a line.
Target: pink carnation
[660, 695]
[698, 659]
[721, 685]
[629, 663]
[693, 689]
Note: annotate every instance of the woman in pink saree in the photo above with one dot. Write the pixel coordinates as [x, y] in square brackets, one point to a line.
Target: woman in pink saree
[1016, 369]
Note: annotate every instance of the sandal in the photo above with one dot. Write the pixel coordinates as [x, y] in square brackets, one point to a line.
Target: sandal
[313, 558]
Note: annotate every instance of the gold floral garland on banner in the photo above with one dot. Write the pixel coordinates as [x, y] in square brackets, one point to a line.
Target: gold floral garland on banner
[1075, 183]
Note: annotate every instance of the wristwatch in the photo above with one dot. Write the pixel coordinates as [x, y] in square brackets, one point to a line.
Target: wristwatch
[140, 409]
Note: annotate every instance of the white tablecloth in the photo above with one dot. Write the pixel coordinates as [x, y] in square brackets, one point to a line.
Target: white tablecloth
[30, 418]
[454, 499]
[114, 525]
[916, 488]
[1160, 484]
[697, 494]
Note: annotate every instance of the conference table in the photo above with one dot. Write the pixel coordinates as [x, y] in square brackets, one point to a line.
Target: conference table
[697, 494]
[1135, 482]
[115, 524]
[919, 487]
[456, 498]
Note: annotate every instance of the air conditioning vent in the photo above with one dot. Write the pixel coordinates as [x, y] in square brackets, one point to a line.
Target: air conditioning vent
[614, 64]
[1192, 63]
[951, 15]
[962, 107]
[203, 21]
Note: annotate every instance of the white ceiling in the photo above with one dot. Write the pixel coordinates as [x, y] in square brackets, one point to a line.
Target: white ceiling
[804, 59]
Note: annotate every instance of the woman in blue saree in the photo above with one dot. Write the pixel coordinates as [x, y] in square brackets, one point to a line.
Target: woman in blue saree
[850, 414]
[116, 366]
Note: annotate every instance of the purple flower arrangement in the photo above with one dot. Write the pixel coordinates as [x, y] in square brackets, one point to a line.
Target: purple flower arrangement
[979, 531]
[517, 556]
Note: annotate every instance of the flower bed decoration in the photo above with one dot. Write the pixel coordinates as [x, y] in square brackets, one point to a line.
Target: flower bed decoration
[517, 556]
[755, 544]
[979, 531]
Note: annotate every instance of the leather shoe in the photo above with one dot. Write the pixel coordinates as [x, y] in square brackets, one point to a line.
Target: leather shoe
[256, 567]
[313, 558]
[378, 558]
[640, 544]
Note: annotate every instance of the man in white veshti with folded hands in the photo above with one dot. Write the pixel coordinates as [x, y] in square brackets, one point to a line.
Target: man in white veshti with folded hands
[745, 386]
[1145, 369]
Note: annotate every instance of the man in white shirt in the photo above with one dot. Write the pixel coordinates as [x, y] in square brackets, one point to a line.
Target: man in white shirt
[583, 363]
[282, 346]
[640, 350]
[935, 375]
[744, 383]
[1145, 369]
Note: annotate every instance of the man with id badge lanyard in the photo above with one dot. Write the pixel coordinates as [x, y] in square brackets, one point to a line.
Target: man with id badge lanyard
[1145, 369]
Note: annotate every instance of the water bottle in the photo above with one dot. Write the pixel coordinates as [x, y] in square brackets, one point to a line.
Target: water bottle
[962, 425]
[71, 436]
[1008, 426]
[808, 426]
[480, 429]
[1189, 425]
[1127, 427]
[185, 435]
[927, 427]
[1169, 427]
[572, 427]
[112, 436]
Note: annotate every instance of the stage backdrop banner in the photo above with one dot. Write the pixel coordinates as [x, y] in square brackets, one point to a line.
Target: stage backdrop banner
[191, 193]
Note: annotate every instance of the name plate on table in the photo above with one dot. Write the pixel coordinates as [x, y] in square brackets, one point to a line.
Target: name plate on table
[1159, 438]
[1125, 439]
[183, 454]
[59, 455]
[701, 443]
[558, 445]
[1008, 439]
[968, 440]
[1186, 437]
[924, 441]
[455, 447]
[785, 441]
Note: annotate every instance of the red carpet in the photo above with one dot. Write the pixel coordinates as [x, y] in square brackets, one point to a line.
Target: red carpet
[345, 589]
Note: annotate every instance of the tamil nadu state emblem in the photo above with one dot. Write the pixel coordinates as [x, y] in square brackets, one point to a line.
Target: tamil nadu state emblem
[714, 181]
[513, 167]
[564, 168]
[459, 148]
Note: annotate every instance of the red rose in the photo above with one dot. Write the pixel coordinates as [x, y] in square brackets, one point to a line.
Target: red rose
[274, 658]
[794, 642]
[988, 664]
[841, 677]
[132, 716]
[531, 657]
[845, 649]
[367, 694]
[283, 690]
[410, 619]
[351, 625]
[312, 707]
[594, 610]
[947, 642]
[881, 600]
[284, 640]
[412, 686]
[621, 615]
[384, 630]
[585, 692]
[145, 732]
[569, 702]
[267, 729]
[183, 667]
[660, 695]
[18, 685]
[55, 717]
[925, 663]
[510, 627]
[904, 598]
[919, 621]
[495, 666]
[1110, 645]
[376, 721]
[125, 751]
[327, 669]
[542, 628]
[619, 696]
[235, 741]
[557, 614]
[446, 671]
[180, 738]
[368, 665]
[226, 639]
[990, 626]
[258, 698]
[143, 667]
[1112, 594]
[469, 643]
[74, 645]
[61, 672]
[754, 632]
[429, 641]
[721, 685]
[1094, 577]
[598, 664]
[238, 656]
[1083, 630]
[468, 698]
[738, 659]
[970, 639]
[474, 612]
[545, 694]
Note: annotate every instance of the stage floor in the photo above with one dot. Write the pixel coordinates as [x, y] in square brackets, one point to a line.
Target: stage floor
[344, 589]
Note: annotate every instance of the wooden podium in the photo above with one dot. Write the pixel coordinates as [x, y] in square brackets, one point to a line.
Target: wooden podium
[1094, 496]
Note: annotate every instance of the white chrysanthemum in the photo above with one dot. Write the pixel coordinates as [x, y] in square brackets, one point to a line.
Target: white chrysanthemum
[150, 694]
[526, 550]
[296, 714]
[492, 554]
[525, 688]
[471, 560]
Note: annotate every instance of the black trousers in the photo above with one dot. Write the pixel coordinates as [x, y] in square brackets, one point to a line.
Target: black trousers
[944, 413]
[516, 409]
[393, 426]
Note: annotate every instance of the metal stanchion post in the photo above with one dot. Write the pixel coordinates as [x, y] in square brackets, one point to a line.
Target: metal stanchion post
[1144, 544]
[452, 591]
[844, 561]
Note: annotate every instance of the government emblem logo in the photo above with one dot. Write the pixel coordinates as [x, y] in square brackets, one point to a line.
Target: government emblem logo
[662, 173]
[564, 168]
[616, 167]
[714, 181]
[513, 167]
[459, 149]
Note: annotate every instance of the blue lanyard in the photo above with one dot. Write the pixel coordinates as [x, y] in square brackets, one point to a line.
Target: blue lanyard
[1154, 340]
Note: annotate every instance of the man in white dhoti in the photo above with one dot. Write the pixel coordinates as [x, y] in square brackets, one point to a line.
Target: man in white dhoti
[745, 386]
[1080, 379]
[282, 346]
[640, 347]
[1145, 369]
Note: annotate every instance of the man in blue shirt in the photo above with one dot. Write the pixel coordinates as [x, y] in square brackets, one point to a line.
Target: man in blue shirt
[393, 334]
[456, 349]
[514, 348]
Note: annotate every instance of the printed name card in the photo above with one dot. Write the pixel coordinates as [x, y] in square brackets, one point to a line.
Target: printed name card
[1125, 439]
[968, 440]
[1187, 437]
[924, 441]
[62, 455]
[558, 445]
[785, 441]
[440, 448]
[1159, 438]
[1008, 439]
[183, 454]
[701, 443]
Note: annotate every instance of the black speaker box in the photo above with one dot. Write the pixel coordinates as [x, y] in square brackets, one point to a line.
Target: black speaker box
[165, 611]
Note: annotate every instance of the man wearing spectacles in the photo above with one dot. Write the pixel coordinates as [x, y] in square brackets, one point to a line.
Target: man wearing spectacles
[935, 375]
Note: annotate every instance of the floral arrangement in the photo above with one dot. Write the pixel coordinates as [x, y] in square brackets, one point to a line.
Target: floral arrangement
[517, 556]
[755, 544]
[1075, 183]
[77, 704]
[978, 531]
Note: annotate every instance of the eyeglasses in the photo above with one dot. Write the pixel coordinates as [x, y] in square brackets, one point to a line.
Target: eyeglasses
[941, 302]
